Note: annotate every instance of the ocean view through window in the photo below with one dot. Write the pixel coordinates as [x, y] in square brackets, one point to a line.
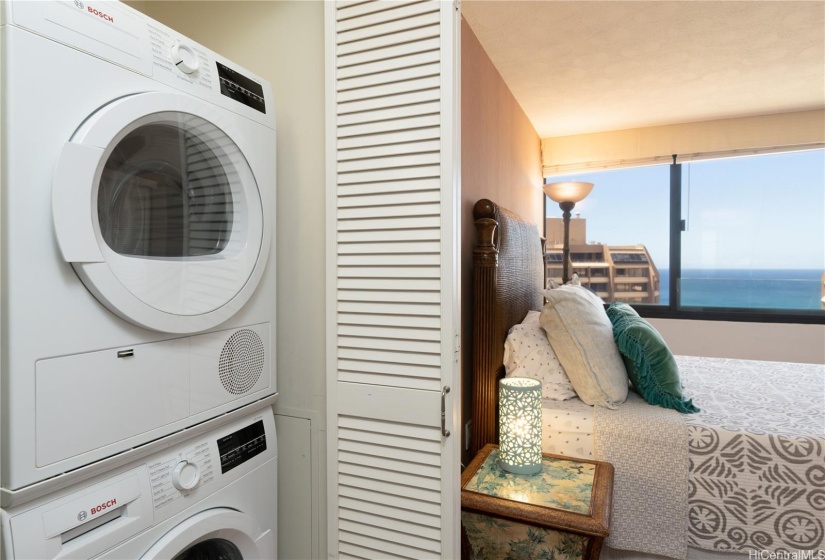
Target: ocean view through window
[752, 240]
[755, 231]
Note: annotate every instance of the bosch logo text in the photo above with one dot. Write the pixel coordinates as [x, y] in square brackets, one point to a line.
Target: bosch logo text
[100, 14]
[104, 505]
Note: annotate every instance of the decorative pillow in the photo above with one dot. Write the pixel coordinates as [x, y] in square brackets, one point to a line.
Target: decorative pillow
[528, 354]
[582, 337]
[532, 319]
[574, 281]
[650, 364]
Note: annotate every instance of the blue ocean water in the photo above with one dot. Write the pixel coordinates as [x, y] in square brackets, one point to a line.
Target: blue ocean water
[770, 289]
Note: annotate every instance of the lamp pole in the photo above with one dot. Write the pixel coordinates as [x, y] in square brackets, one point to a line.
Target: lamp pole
[567, 194]
[566, 208]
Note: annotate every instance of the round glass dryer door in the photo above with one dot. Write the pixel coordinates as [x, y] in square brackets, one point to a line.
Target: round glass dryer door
[211, 549]
[157, 208]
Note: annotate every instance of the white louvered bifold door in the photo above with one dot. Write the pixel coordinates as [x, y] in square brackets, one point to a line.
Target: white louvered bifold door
[392, 285]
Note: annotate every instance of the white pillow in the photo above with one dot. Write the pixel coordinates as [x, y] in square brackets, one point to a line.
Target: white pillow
[581, 335]
[532, 319]
[527, 353]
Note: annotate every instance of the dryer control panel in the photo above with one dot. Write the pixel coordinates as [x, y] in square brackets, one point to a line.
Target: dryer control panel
[242, 89]
[120, 34]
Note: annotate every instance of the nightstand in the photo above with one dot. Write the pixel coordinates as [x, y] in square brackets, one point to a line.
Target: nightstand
[562, 512]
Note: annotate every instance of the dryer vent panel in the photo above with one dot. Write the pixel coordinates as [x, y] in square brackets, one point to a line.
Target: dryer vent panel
[241, 362]
[229, 366]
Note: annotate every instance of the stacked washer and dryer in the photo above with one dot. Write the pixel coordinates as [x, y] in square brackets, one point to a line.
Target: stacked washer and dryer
[138, 291]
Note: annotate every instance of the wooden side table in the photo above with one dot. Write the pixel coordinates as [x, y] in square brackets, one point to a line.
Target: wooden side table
[561, 513]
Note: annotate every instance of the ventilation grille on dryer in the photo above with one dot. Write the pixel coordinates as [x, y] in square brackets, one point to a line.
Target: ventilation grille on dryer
[241, 362]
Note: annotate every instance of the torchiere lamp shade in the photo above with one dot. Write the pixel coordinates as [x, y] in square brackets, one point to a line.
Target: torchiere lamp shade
[568, 191]
[519, 402]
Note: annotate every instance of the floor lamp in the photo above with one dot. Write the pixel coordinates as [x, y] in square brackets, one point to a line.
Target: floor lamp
[567, 194]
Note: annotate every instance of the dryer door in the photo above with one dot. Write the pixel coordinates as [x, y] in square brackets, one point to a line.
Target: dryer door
[220, 533]
[158, 210]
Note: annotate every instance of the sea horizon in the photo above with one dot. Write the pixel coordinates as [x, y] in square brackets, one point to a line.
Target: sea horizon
[747, 287]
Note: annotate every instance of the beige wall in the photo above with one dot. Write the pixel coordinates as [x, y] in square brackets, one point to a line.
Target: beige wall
[284, 43]
[694, 140]
[500, 160]
[774, 342]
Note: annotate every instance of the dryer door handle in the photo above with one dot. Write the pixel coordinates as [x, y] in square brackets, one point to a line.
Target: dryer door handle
[72, 204]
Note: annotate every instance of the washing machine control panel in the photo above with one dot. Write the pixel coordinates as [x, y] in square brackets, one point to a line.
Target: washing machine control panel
[240, 446]
[184, 58]
[85, 519]
[175, 475]
[202, 466]
[186, 476]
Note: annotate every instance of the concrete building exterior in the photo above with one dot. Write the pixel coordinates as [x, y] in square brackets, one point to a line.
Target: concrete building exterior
[614, 272]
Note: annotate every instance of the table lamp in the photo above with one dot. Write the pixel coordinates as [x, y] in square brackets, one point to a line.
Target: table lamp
[519, 409]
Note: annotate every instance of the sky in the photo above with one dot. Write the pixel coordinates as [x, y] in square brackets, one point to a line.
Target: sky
[753, 212]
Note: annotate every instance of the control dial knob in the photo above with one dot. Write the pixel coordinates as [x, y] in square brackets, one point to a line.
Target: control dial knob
[184, 58]
[186, 475]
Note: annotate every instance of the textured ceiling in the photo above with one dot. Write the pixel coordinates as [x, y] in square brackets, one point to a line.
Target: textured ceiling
[590, 66]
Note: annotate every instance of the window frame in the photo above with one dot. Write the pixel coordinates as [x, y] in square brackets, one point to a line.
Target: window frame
[672, 310]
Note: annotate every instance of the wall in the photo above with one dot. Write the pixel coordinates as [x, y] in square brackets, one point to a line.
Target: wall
[749, 341]
[500, 160]
[284, 43]
[693, 140]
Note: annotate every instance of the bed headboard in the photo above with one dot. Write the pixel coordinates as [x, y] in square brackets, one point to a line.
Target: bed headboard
[508, 278]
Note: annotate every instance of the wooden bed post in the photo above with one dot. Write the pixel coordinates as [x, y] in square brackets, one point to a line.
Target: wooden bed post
[485, 262]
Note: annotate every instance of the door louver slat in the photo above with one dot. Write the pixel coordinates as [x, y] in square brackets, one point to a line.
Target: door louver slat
[346, 10]
[385, 94]
[400, 333]
[417, 108]
[386, 32]
[382, 43]
[404, 74]
[365, 57]
[393, 11]
[387, 150]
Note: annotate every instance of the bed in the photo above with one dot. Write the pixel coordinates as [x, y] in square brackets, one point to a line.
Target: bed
[745, 475]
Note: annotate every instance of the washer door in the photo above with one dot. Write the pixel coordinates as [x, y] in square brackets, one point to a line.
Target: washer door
[216, 534]
[157, 209]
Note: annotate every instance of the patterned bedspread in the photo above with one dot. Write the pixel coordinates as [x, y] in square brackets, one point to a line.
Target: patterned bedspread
[754, 465]
[757, 469]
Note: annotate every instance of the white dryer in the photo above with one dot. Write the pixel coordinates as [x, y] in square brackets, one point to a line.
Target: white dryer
[213, 496]
[136, 245]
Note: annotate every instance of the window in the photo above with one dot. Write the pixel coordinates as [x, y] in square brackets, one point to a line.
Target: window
[739, 239]
[754, 232]
[618, 235]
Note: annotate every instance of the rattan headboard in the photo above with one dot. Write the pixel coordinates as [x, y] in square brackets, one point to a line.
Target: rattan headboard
[508, 277]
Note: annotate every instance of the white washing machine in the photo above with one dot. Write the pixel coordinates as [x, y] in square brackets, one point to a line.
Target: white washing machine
[136, 240]
[210, 497]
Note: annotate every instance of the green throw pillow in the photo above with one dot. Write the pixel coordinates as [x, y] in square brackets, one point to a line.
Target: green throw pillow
[650, 364]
